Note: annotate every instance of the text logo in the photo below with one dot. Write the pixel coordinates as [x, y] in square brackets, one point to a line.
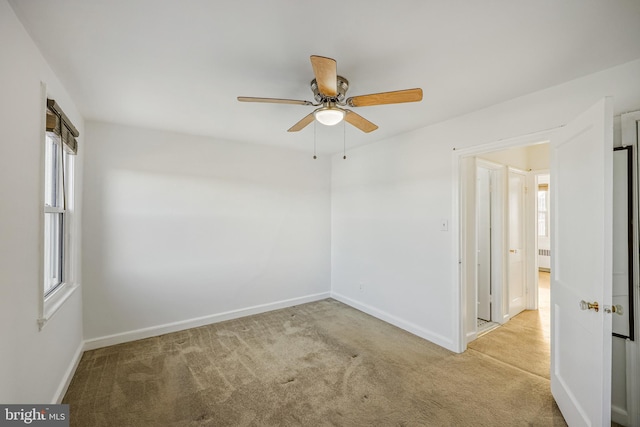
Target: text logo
[34, 415]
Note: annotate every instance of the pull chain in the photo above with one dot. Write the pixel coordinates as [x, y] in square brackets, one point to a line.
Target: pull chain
[314, 140]
[344, 140]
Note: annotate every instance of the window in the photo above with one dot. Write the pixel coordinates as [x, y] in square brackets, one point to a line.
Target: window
[543, 210]
[58, 211]
[56, 187]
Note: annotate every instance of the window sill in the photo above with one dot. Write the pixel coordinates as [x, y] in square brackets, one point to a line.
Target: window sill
[54, 301]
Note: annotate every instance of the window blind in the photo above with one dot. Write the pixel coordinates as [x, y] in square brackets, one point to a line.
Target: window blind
[59, 123]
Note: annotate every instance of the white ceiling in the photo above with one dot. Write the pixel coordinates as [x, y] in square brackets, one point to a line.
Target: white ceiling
[179, 65]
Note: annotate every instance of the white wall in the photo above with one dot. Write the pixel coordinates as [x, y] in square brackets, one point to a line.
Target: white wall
[179, 230]
[33, 364]
[529, 158]
[539, 157]
[389, 198]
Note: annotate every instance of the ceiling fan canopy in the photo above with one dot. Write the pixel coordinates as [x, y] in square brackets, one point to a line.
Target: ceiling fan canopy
[330, 95]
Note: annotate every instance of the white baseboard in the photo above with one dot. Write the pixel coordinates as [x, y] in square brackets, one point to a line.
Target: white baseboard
[396, 321]
[68, 375]
[153, 331]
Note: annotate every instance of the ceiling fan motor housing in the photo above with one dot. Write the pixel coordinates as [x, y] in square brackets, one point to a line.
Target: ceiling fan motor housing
[342, 87]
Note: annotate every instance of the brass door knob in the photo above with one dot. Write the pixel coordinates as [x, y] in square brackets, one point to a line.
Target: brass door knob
[617, 309]
[589, 305]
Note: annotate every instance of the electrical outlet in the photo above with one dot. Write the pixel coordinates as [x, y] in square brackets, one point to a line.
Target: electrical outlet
[444, 224]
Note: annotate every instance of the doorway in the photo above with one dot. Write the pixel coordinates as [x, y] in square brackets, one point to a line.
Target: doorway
[539, 189]
[499, 229]
[501, 210]
[572, 190]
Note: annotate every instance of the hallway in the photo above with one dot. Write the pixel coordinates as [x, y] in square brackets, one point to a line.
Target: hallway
[523, 342]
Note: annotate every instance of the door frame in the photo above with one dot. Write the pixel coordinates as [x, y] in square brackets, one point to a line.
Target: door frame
[484, 242]
[463, 234]
[498, 236]
[630, 125]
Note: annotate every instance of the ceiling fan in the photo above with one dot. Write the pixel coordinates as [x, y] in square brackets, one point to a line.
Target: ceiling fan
[329, 91]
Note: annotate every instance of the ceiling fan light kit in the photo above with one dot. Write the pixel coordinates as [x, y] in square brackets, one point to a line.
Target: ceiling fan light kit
[329, 116]
[329, 91]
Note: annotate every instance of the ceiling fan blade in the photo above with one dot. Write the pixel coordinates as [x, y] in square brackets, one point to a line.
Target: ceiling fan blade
[326, 72]
[302, 123]
[273, 100]
[396, 97]
[360, 122]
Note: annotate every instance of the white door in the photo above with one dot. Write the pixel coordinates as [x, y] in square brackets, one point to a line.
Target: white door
[483, 206]
[517, 288]
[581, 258]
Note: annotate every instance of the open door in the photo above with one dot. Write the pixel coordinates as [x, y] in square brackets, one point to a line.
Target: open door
[483, 213]
[581, 267]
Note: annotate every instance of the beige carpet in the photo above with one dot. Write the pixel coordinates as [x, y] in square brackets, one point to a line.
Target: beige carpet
[317, 364]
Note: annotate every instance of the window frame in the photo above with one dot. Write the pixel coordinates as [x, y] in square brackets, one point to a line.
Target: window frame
[51, 299]
[54, 208]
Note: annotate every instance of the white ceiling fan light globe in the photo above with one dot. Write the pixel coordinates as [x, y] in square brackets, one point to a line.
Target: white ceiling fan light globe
[329, 116]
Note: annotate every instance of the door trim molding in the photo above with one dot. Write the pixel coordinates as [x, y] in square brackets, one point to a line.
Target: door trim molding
[459, 265]
[630, 126]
